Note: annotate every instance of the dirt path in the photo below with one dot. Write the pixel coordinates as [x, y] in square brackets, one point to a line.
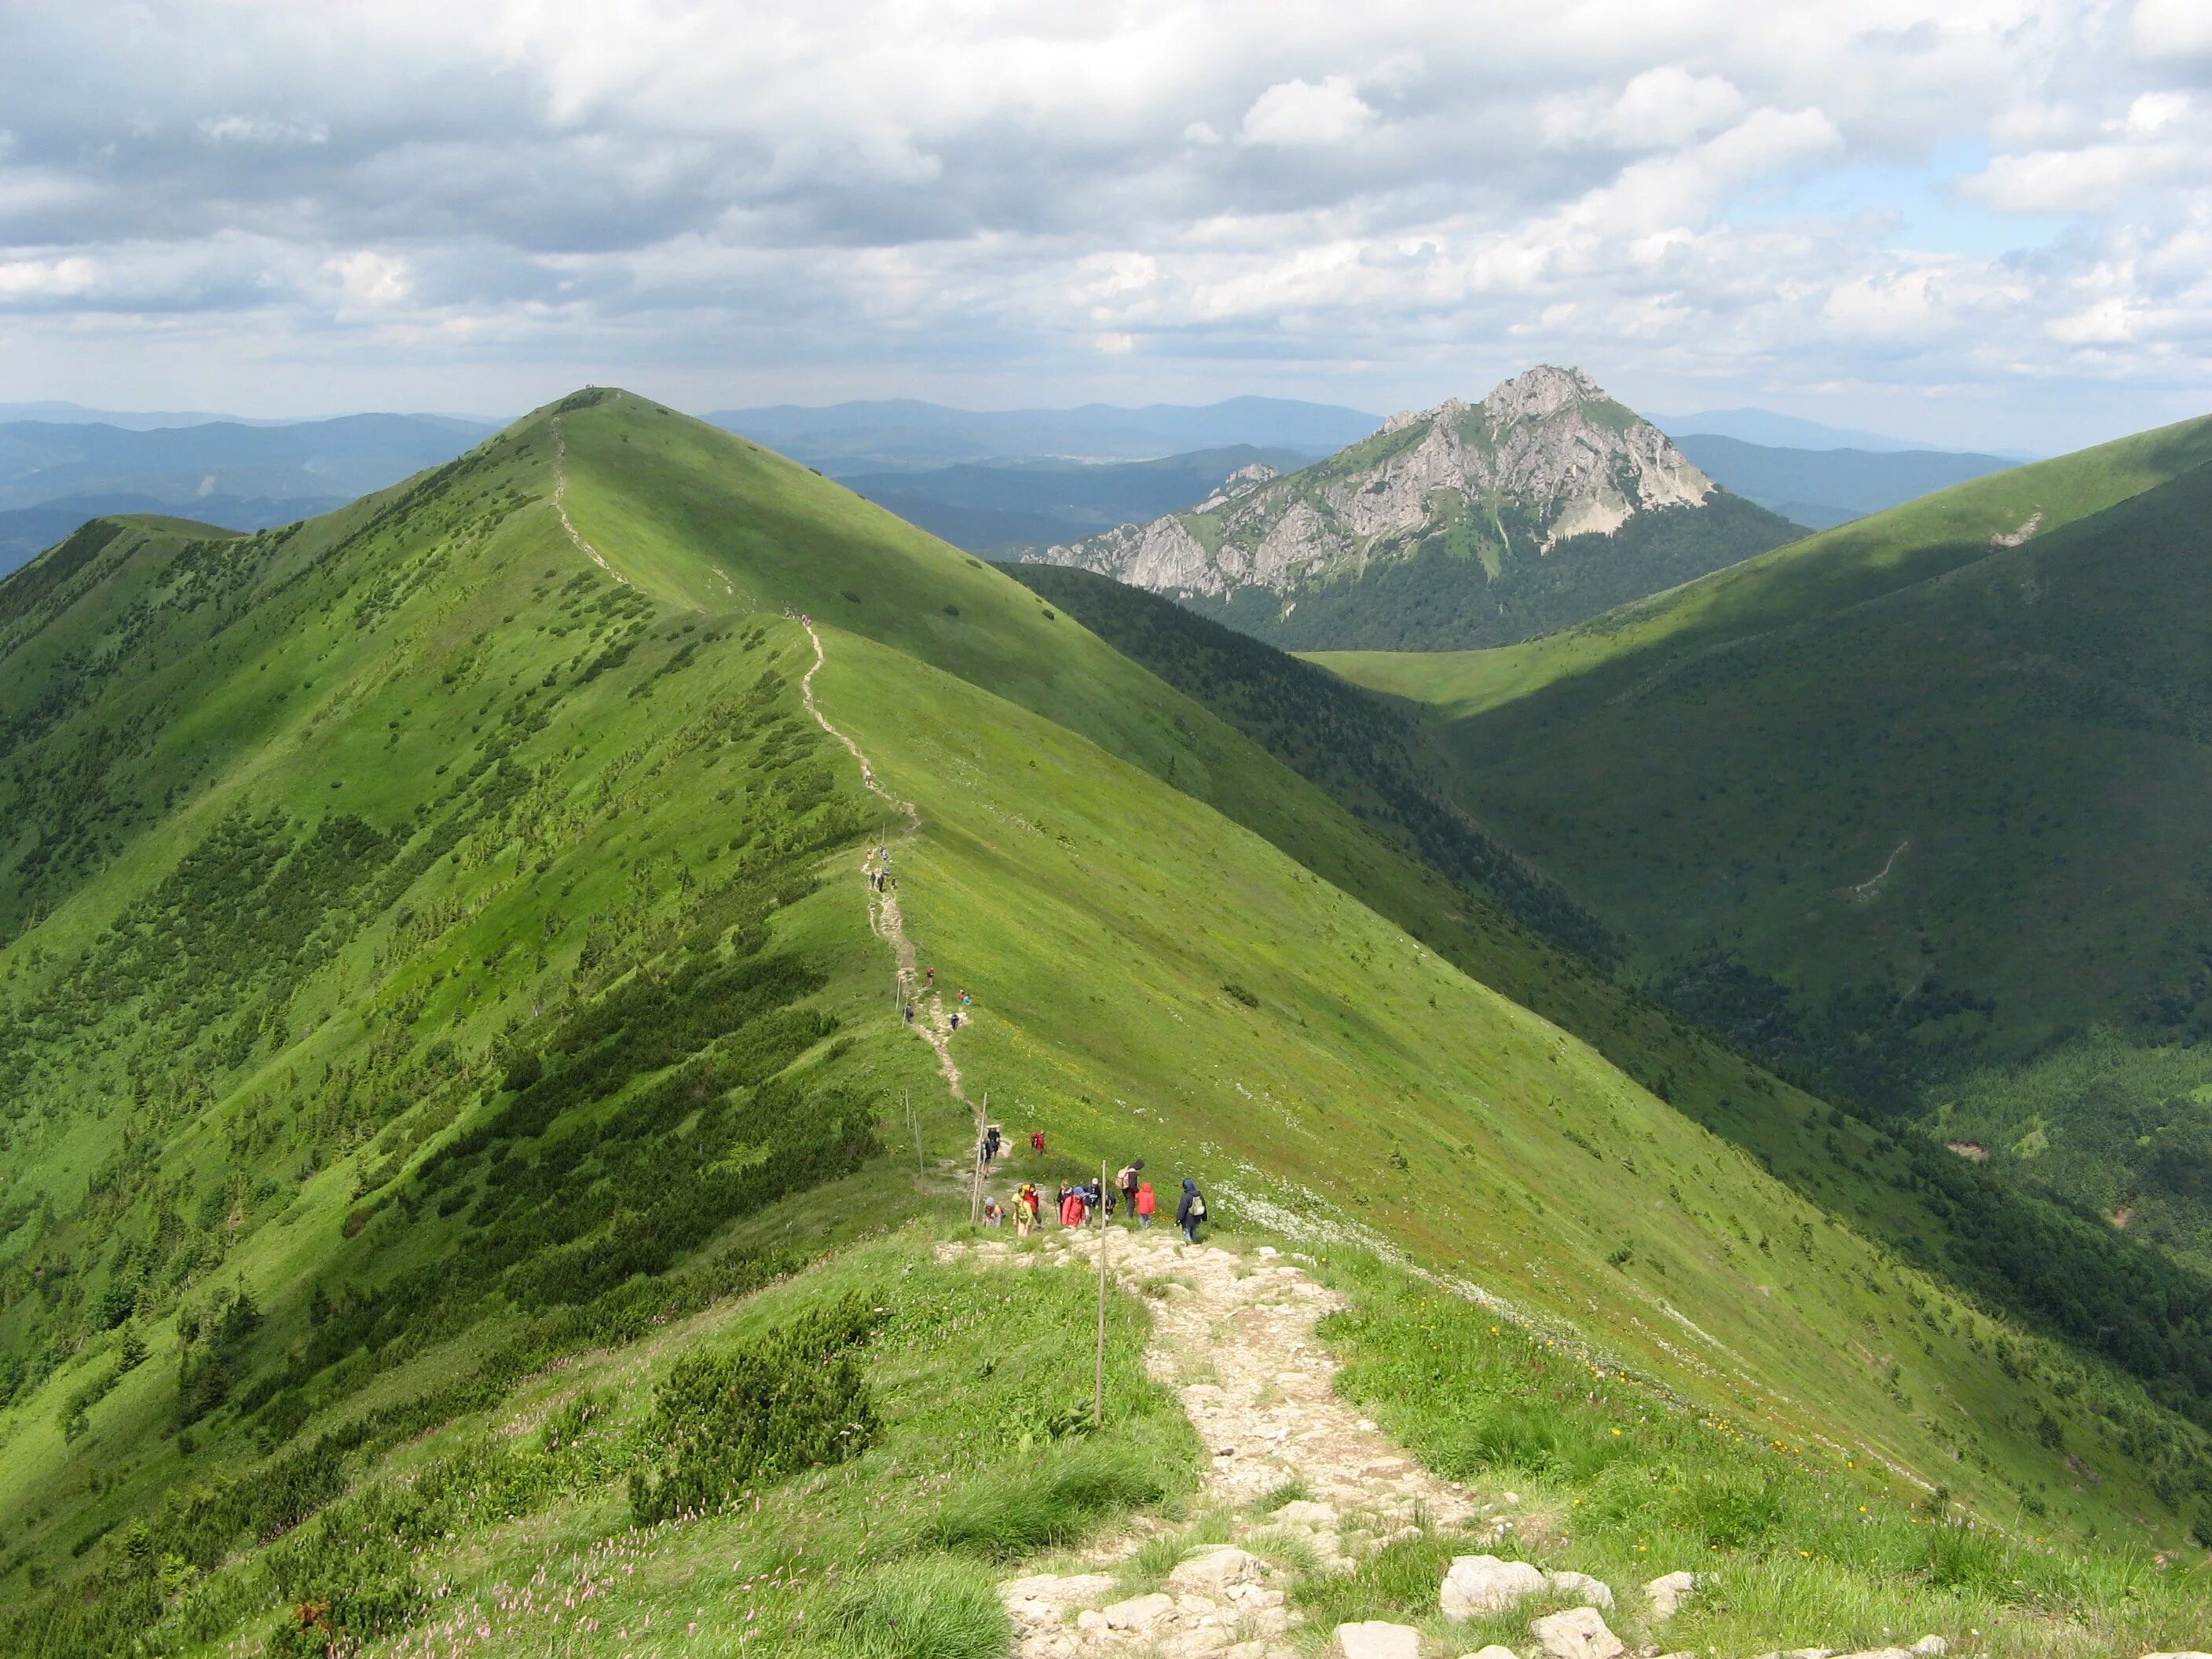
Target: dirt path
[1234, 1340]
[932, 1022]
[561, 506]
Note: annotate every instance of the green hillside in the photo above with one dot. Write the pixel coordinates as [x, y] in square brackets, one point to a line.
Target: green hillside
[445, 1038]
[1909, 817]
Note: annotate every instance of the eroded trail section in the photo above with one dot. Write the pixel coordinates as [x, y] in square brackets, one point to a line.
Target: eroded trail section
[561, 506]
[931, 1021]
[1234, 1340]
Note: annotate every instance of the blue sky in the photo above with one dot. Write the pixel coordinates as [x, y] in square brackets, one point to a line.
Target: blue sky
[1984, 222]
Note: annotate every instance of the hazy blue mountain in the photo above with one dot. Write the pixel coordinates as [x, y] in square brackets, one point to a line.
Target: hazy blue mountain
[27, 532]
[904, 434]
[44, 461]
[1764, 425]
[1822, 488]
[1039, 501]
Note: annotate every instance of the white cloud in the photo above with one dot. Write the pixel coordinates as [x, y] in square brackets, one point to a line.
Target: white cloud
[370, 278]
[2172, 29]
[1378, 204]
[1301, 112]
[261, 130]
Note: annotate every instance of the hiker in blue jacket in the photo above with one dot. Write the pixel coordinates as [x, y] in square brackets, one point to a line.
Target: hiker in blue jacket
[1191, 1211]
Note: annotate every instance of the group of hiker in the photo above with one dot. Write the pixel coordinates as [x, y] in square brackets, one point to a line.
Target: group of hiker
[1130, 1194]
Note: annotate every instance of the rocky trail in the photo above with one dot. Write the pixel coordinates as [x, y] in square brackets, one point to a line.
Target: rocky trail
[1233, 1339]
[931, 1021]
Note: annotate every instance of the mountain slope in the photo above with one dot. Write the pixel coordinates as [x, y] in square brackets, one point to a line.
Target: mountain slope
[1912, 825]
[464, 974]
[1460, 525]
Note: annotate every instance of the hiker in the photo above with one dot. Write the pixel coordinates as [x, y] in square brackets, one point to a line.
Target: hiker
[1073, 1212]
[1106, 1202]
[956, 1020]
[1127, 1180]
[992, 1139]
[909, 1013]
[1145, 1203]
[1025, 1209]
[1192, 1211]
[994, 1213]
[1036, 1142]
[930, 974]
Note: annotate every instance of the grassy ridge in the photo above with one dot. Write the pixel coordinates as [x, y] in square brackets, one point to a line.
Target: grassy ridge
[343, 1114]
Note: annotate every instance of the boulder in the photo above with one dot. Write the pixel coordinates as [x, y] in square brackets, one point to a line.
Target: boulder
[1493, 1651]
[1376, 1641]
[1044, 1598]
[1930, 1647]
[1139, 1614]
[1878, 1653]
[2191, 1654]
[1577, 1633]
[1667, 1592]
[1480, 1584]
[1594, 1592]
[1305, 1512]
[1216, 1568]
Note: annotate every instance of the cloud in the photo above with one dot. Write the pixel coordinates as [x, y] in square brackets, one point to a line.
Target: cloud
[1294, 113]
[467, 205]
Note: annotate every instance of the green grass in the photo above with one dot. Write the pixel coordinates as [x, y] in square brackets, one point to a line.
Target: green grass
[1798, 1545]
[513, 1064]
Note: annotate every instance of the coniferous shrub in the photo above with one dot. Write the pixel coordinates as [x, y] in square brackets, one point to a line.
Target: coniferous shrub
[797, 1399]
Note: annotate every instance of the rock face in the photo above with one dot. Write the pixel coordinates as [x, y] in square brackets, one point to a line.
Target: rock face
[1666, 1593]
[1480, 1584]
[1376, 1641]
[1546, 456]
[1577, 1633]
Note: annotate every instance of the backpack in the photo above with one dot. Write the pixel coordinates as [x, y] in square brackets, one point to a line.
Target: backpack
[1198, 1206]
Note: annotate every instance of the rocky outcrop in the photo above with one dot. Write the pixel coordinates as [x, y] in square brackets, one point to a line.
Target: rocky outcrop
[1546, 456]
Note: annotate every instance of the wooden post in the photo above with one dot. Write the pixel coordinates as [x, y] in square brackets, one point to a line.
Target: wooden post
[914, 1124]
[1098, 1388]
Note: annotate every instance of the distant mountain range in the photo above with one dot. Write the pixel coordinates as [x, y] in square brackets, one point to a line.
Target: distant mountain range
[56, 474]
[1468, 523]
[1821, 488]
[1765, 427]
[904, 434]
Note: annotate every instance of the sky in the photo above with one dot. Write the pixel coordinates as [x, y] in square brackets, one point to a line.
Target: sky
[1980, 223]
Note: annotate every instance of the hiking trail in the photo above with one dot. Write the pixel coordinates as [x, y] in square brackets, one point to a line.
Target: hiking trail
[1268, 1419]
[560, 505]
[885, 919]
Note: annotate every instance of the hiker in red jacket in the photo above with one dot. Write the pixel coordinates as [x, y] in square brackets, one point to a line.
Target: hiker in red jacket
[1145, 1203]
[1073, 1212]
[1036, 1142]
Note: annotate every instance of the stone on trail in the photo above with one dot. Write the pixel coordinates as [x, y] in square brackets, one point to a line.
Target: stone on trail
[1493, 1651]
[1480, 1584]
[1666, 1593]
[1139, 1612]
[1930, 1647]
[1377, 1641]
[1305, 1512]
[1216, 1567]
[1044, 1598]
[2191, 1654]
[1577, 1633]
[1595, 1591]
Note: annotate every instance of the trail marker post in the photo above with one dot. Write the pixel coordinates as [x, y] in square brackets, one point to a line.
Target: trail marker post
[1098, 1388]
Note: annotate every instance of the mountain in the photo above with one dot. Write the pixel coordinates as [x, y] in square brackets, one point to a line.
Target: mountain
[26, 531]
[1769, 430]
[983, 507]
[1903, 809]
[1824, 487]
[904, 434]
[456, 1074]
[1462, 524]
[41, 462]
